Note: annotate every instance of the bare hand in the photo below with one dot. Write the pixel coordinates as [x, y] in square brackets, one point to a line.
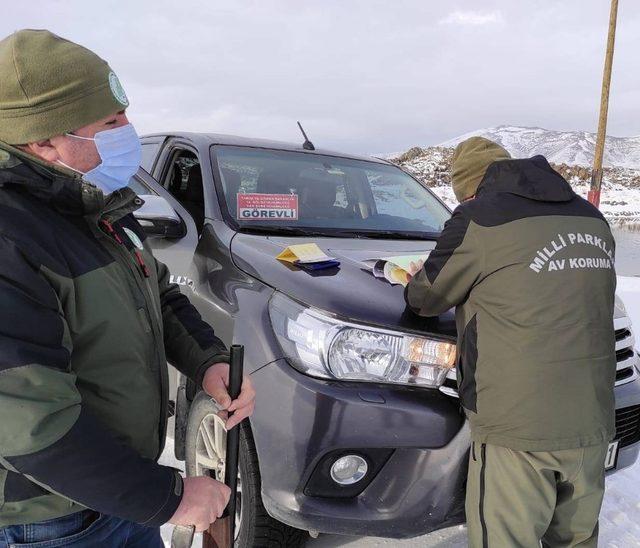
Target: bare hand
[414, 268]
[203, 502]
[216, 383]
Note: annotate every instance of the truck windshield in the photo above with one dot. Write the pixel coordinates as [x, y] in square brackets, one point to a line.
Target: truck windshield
[271, 189]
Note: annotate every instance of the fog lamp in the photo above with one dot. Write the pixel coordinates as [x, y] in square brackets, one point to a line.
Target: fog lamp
[349, 469]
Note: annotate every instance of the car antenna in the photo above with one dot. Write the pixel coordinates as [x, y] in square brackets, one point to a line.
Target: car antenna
[307, 145]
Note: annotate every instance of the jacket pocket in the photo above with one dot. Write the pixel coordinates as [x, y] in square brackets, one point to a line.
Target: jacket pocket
[467, 366]
[60, 532]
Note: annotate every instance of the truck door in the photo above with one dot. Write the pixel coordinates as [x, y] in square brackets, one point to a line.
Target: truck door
[199, 260]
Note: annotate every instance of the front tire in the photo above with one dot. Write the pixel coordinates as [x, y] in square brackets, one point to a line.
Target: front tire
[205, 446]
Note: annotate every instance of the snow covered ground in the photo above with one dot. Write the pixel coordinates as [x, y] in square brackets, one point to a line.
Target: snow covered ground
[619, 520]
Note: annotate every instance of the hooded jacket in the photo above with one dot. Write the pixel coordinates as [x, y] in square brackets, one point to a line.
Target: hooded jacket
[530, 267]
[88, 320]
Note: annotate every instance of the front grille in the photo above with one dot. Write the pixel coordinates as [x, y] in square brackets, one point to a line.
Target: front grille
[622, 334]
[450, 383]
[628, 425]
[624, 354]
[624, 374]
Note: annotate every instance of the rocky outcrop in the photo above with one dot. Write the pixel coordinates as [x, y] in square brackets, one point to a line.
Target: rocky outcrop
[432, 166]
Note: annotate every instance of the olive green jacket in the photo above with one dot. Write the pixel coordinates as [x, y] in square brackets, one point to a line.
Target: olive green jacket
[88, 320]
[530, 267]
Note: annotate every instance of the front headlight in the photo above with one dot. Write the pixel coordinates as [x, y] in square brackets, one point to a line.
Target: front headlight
[320, 345]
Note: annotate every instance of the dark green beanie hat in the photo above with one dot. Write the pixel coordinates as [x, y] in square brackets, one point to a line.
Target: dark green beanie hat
[470, 162]
[50, 86]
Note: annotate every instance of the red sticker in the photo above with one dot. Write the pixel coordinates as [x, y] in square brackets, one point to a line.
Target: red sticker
[267, 207]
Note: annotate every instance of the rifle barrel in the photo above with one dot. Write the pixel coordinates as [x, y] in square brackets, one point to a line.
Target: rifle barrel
[222, 533]
[233, 436]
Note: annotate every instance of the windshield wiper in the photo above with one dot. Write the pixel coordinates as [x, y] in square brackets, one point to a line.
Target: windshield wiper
[388, 234]
[400, 235]
[292, 231]
[339, 233]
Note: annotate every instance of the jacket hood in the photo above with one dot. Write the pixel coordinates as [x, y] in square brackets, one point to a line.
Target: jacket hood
[531, 178]
[61, 188]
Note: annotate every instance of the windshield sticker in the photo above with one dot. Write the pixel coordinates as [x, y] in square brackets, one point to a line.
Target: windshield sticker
[267, 207]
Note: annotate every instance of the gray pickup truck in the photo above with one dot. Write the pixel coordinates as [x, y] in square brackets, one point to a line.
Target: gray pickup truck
[346, 437]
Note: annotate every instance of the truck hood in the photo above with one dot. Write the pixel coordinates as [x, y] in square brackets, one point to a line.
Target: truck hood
[349, 291]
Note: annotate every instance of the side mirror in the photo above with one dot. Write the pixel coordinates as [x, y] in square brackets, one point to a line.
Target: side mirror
[159, 219]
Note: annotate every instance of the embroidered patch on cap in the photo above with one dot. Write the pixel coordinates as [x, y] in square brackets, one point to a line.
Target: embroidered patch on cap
[117, 89]
[134, 238]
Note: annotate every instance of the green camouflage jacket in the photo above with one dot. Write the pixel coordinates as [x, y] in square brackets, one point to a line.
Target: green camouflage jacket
[88, 320]
[530, 267]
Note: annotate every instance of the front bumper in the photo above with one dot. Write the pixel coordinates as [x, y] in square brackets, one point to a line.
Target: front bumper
[419, 488]
[627, 395]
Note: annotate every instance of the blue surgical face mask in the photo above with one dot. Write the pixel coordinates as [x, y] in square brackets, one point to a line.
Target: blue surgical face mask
[121, 154]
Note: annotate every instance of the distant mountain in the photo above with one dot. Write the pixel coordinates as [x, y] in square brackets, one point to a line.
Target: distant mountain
[620, 190]
[560, 147]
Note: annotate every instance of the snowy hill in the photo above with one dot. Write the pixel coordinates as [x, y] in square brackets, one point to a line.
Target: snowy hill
[620, 191]
[560, 147]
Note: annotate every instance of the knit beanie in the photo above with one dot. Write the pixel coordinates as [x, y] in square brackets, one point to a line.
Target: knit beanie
[470, 162]
[50, 86]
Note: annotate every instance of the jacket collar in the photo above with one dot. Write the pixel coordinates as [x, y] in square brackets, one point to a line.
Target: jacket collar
[532, 178]
[61, 188]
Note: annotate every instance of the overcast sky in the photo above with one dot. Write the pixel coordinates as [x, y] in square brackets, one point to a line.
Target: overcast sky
[362, 75]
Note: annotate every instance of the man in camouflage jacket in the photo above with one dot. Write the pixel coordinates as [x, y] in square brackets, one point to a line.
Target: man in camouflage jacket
[88, 321]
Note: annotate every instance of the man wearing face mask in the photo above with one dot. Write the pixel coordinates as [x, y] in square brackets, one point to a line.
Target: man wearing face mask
[88, 318]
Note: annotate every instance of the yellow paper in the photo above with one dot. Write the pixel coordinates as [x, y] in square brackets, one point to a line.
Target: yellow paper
[403, 262]
[395, 269]
[306, 253]
[395, 274]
